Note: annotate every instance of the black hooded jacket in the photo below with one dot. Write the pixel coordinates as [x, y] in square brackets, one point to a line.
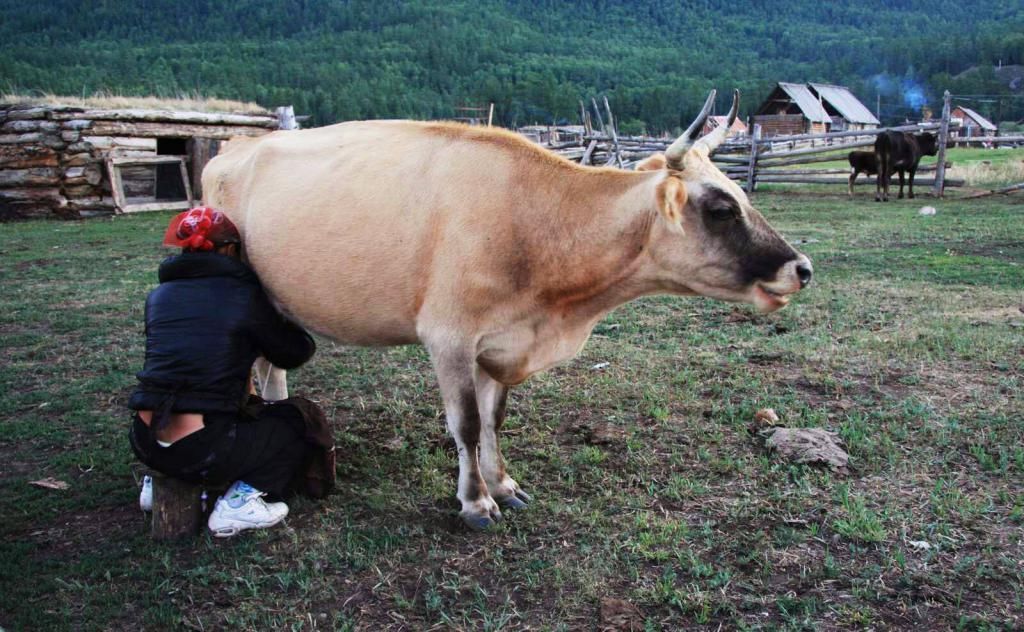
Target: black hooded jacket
[206, 323]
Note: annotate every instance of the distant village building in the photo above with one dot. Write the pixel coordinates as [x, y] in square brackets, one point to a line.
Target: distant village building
[971, 123]
[791, 109]
[738, 128]
[844, 109]
[73, 161]
[796, 108]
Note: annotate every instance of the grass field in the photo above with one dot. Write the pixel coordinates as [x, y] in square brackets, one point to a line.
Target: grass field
[649, 486]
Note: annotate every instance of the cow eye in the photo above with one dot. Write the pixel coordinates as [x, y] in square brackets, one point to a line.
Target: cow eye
[721, 213]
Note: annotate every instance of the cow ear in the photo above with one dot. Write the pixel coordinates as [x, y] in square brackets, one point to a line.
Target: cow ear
[671, 195]
[654, 162]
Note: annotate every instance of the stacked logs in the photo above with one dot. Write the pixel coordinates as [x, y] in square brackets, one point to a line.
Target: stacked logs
[52, 157]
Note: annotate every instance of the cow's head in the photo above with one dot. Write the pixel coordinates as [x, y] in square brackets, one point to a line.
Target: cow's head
[711, 240]
[927, 142]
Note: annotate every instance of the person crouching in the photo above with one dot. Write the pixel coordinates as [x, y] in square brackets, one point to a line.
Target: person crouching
[195, 420]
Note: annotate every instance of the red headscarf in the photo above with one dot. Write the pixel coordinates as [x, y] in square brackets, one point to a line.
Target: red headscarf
[201, 228]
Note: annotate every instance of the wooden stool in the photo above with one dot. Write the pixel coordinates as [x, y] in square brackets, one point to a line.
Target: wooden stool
[177, 508]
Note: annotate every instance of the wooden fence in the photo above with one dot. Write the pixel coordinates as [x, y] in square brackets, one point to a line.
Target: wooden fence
[777, 159]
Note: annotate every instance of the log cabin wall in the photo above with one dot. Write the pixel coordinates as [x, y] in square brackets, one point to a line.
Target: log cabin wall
[52, 157]
[782, 124]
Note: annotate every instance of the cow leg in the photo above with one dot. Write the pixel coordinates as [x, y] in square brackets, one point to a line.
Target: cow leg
[901, 184]
[851, 180]
[910, 184]
[492, 397]
[462, 412]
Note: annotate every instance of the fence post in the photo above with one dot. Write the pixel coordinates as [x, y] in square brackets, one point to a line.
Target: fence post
[286, 118]
[755, 134]
[600, 119]
[940, 168]
[615, 134]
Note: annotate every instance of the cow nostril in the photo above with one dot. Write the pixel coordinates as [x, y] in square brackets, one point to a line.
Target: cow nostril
[804, 273]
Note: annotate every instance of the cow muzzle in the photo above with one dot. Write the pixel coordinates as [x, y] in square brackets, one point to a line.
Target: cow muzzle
[792, 277]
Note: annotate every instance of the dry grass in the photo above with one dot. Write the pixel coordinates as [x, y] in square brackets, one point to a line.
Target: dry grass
[1003, 169]
[105, 100]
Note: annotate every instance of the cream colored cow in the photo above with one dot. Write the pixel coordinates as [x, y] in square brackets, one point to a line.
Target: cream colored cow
[495, 254]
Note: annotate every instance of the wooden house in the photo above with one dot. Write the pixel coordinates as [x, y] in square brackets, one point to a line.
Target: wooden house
[791, 109]
[738, 128]
[814, 108]
[971, 123]
[845, 111]
[79, 160]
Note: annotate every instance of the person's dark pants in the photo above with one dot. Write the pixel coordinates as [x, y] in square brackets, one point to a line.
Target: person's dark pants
[267, 451]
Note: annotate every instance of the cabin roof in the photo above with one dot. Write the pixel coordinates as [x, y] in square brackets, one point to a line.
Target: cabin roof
[848, 106]
[983, 122]
[807, 102]
[117, 102]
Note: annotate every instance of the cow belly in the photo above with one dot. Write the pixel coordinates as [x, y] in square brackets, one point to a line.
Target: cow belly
[347, 312]
[341, 283]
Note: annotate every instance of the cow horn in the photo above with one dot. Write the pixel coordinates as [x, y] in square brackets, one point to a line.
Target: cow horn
[715, 138]
[675, 152]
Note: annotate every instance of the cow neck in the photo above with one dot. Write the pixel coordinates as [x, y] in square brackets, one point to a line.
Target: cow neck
[609, 230]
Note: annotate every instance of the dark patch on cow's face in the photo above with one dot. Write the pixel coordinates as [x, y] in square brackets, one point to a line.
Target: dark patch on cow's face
[742, 242]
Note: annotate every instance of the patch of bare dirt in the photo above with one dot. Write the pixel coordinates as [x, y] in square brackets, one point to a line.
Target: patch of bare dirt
[618, 615]
[76, 532]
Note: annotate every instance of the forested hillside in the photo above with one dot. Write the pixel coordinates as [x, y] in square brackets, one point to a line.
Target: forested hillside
[655, 59]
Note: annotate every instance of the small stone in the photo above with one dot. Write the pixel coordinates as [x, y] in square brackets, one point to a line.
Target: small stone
[807, 445]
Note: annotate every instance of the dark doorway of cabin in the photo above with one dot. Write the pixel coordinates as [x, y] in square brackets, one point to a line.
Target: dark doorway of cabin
[169, 185]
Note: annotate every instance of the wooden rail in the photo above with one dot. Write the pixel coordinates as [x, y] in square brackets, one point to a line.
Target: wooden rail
[755, 158]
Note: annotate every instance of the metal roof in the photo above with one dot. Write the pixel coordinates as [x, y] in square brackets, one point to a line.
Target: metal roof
[807, 102]
[845, 103]
[981, 120]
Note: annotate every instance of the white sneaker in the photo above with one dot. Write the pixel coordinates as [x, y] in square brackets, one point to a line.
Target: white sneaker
[146, 495]
[242, 507]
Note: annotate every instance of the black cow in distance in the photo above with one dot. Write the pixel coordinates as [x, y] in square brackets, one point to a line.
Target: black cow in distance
[861, 162]
[900, 151]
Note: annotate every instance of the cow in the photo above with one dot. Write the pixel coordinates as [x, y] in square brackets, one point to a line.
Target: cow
[861, 162]
[495, 254]
[900, 151]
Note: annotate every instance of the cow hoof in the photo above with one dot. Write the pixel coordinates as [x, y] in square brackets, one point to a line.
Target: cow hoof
[481, 514]
[512, 502]
[509, 494]
[481, 522]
